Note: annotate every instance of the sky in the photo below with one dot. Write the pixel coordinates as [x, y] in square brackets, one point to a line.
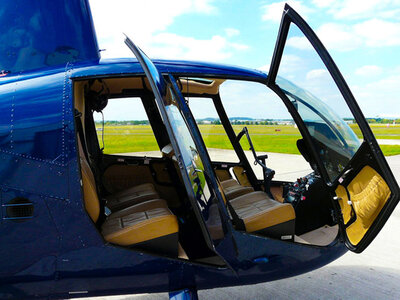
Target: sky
[363, 37]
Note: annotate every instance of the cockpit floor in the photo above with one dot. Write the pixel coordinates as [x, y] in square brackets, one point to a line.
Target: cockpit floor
[320, 237]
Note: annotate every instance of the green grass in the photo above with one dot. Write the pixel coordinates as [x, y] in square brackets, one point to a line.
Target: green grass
[266, 138]
[381, 131]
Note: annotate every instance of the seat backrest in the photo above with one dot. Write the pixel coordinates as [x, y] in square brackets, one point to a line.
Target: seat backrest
[91, 199]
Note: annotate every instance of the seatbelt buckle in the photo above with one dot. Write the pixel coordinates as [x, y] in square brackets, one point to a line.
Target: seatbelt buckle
[107, 211]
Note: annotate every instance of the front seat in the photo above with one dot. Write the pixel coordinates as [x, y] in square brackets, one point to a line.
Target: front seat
[256, 212]
[233, 189]
[260, 214]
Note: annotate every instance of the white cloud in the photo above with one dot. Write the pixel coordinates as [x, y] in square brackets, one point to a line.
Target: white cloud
[273, 12]
[290, 66]
[341, 37]
[378, 33]
[142, 18]
[369, 71]
[169, 45]
[147, 27]
[231, 32]
[356, 9]
[323, 3]
[338, 37]
[299, 42]
[317, 74]
[381, 96]
[334, 37]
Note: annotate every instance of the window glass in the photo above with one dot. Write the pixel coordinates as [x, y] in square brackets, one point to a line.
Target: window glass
[319, 102]
[127, 130]
[212, 131]
[190, 156]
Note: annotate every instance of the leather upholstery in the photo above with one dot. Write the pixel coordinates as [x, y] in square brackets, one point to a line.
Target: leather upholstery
[258, 211]
[140, 223]
[90, 197]
[223, 174]
[131, 196]
[368, 193]
[233, 189]
[241, 175]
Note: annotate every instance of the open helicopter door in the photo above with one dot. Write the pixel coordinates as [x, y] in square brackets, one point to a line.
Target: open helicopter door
[363, 189]
[192, 160]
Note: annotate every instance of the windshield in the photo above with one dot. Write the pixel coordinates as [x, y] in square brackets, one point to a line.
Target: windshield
[336, 142]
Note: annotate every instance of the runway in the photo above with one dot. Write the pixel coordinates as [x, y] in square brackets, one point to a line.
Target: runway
[374, 274]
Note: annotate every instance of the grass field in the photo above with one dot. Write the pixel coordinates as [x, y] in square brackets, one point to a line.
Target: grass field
[381, 131]
[266, 138]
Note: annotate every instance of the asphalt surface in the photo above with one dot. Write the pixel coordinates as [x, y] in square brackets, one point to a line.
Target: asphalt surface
[374, 274]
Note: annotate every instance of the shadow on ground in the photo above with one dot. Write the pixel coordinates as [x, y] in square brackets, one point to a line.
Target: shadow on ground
[335, 282]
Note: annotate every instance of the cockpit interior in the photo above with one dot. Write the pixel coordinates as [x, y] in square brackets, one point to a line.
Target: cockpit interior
[141, 200]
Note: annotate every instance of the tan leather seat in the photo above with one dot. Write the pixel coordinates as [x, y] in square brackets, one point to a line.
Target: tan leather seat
[233, 189]
[131, 196]
[150, 225]
[140, 223]
[261, 214]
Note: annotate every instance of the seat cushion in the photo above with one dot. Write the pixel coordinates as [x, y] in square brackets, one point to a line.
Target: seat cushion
[232, 189]
[258, 211]
[131, 196]
[140, 223]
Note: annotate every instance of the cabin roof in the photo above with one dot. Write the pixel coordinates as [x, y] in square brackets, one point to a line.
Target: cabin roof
[130, 65]
[126, 66]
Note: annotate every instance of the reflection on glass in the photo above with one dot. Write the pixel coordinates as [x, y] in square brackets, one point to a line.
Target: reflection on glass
[318, 102]
[190, 156]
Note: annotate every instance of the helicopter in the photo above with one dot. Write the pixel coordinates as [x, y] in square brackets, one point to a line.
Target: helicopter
[77, 221]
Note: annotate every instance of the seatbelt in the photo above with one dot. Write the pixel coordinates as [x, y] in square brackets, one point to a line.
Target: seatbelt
[79, 129]
[238, 222]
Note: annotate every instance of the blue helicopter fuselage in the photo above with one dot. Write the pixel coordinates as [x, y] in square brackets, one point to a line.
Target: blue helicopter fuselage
[58, 250]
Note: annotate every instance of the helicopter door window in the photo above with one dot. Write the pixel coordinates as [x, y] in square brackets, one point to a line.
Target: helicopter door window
[319, 103]
[126, 129]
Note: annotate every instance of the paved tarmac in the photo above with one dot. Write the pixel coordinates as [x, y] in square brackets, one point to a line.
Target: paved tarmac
[388, 142]
[374, 274]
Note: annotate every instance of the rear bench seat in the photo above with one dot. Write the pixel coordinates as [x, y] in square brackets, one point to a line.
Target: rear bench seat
[131, 196]
[149, 225]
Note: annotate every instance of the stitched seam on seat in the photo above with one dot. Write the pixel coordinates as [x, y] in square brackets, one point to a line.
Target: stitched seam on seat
[140, 225]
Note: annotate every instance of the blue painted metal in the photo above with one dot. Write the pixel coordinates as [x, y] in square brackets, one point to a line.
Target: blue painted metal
[186, 294]
[124, 66]
[59, 252]
[41, 33]
[66, 253]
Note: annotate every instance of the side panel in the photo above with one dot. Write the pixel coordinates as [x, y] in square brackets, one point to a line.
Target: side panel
[34, 135]
[28, 247]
